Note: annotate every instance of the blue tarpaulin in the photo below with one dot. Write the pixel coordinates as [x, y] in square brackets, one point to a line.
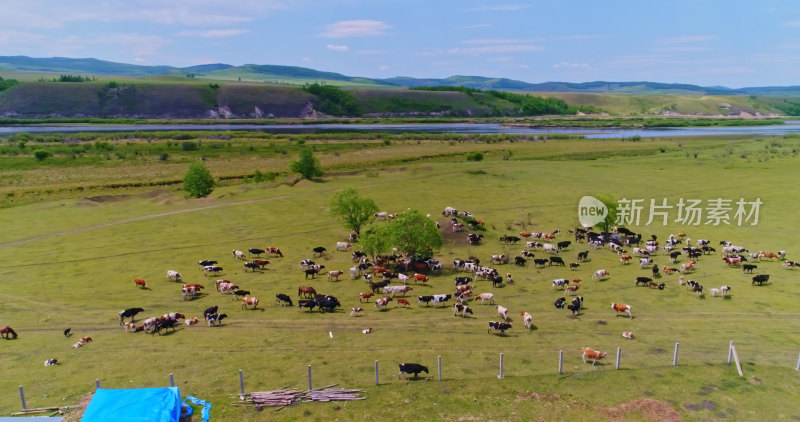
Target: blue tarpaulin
[134, 405]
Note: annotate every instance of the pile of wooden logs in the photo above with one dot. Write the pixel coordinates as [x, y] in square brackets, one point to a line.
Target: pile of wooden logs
[285, 397]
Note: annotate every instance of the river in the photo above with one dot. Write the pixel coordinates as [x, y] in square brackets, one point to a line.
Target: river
[463, 128]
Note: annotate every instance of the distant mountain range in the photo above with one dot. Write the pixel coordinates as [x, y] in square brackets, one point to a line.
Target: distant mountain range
[301, 75]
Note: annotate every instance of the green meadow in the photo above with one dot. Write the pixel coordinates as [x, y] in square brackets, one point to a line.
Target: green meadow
[70, 256]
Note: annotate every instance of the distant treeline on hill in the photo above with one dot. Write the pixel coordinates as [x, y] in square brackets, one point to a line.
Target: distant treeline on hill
[528, 105]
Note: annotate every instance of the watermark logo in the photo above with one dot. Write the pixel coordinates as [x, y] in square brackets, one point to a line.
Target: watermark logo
[688, 211]
[591, 211]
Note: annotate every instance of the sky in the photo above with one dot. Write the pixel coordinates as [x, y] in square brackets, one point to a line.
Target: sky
[703, 42]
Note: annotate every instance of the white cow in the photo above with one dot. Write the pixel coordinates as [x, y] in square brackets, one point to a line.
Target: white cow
[527, 319]
[173, 275]
[404, 278]
[343, 245]
[502, 311]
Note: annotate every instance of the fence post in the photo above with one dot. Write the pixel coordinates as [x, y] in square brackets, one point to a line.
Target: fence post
[241, 385]
[440, 367]
[376, 373]
[730, 352]
[501, 367]
[797, 368]
[560, 361]
[619, 354]
[22, 396]
[675, 355]
[171, 381]
[97, 383]
[309, 377]
[736, 358]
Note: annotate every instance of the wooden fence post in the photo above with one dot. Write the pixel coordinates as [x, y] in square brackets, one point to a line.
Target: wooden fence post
[730, 352]
[560, 361]
[675, 355]
[736, 358]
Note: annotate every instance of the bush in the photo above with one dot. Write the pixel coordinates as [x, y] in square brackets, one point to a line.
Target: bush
[41, 154]
[189, 146]
[475, 156]
[198, 182]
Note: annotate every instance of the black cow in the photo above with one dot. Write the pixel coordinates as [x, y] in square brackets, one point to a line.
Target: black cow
[509, 239]
[319, 250]
[563, 244]
[643, 280]
[216, 318]
[210, 311]
[252, 266]
[283, 299]
[375, 286]
[165, 324]
[311, 272]
[474, 238]
[708, 249]
[326, 302]
[497, 281]
[238, 294]
[655, 270]
[559, 303]
[575, 308]
[582, 256]
[540, 262]
[463, 280]
[673, 256]
[212, 269]
[412, 368]
[424, 299]
[519, 261]
[306, 303]
[556, 260]
[749, 267]
[760, 279]
[205, 263]
[256, 251]
[130, 312]
[499, 326]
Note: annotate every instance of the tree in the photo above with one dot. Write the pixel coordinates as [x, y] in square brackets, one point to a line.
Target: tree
[198, 182]
[414, 233]
[611, 218]
[353, 210]
[376, 241]
[307, 165]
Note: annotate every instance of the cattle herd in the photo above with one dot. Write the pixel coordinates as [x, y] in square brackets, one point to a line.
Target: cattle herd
[390, 277]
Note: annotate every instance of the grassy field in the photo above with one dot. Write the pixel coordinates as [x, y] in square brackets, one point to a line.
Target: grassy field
[70, 262]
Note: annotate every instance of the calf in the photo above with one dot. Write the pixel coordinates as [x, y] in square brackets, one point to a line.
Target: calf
[749, 268]
[499, 326]
[571, 289]
[382, 302]
[583, 256]
[356, 311]
[560, 302]
[502, 312]
[283, 299]
[140, 283]
[173, 275]
[403, 302]
[365, 295]
[461, 309]
[334, 275]
[594, 355]
[485, 297]
[622, 308]
[527, 319]
[216, 318]
[411, 368]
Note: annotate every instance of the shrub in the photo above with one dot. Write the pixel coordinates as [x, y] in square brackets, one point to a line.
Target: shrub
[475, 156]
[198, 182]
[41, 154]
[189, 146]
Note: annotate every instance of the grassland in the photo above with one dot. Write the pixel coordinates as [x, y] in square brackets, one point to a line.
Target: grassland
[70, 258]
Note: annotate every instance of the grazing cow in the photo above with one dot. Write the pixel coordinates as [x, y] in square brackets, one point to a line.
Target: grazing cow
[441, 298]
[274, 251]
[760, 279]
[790, 264]
[403, 277]
[563, 245]
[549, 247]
[238, 294]
[283, 299]
[527, 319]
[560, 282]
[733, 261]
[571, 289]
[189, 291]
[540, 262]
[311, 272]
[560, 302]
[306, 303]
[365, 295]
[82, 341]
[239, 255]
[319, 250]
[375, 286]
[574, 265]
[669, 270]
[576, 305]
[411, 368]
[526, 254]
[130, 312]
[252, 266]
[499, 259]
[140, 283]
[643, 280]
[173, 275]
[462, 281]
[594, 355]
[227, 287]
[326, 302]
[50, 362]
[403, 302]
[600, 274]
[689, 266]
[211, 269]
[583, 256]
[356, 311]
[391, 290]
[502, 311]
[461, 309]
[622, 308]
[204, 263]
[256, 251]
[628, 335]
[654, 285]
[725, 290]
[644, 262]
[673, 256]
[216, 318]
[485, 297]
[261, 263]
[749, 268]
[499, 326]
[246, 301]
[556, 260]
[424, 299]
[420, 277]
[334, 275]
[210, 311]
[519, 261]
[625, 259]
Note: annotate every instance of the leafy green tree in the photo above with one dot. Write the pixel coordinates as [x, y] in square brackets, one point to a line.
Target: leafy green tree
[414, 233]
[198, 182]
[306, 165]
[376, 241]
[352, 209]
[611, 218]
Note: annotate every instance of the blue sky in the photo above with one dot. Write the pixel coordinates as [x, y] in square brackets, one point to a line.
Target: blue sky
[704, 42]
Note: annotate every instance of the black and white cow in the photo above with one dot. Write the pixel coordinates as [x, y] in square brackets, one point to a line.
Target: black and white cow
[216, 318]
[129, 313]
[441, 298]
[499, 326]
[283, 299]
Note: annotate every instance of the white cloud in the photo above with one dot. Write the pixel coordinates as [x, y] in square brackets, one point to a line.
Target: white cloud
[498, 8]
[337, 47]
[383, 67]
[567, 65]
[355, 28]
[495, 49]
[214, 33]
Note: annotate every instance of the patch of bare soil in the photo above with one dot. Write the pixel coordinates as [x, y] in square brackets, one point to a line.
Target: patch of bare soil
[76, 413]
[650, 409]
